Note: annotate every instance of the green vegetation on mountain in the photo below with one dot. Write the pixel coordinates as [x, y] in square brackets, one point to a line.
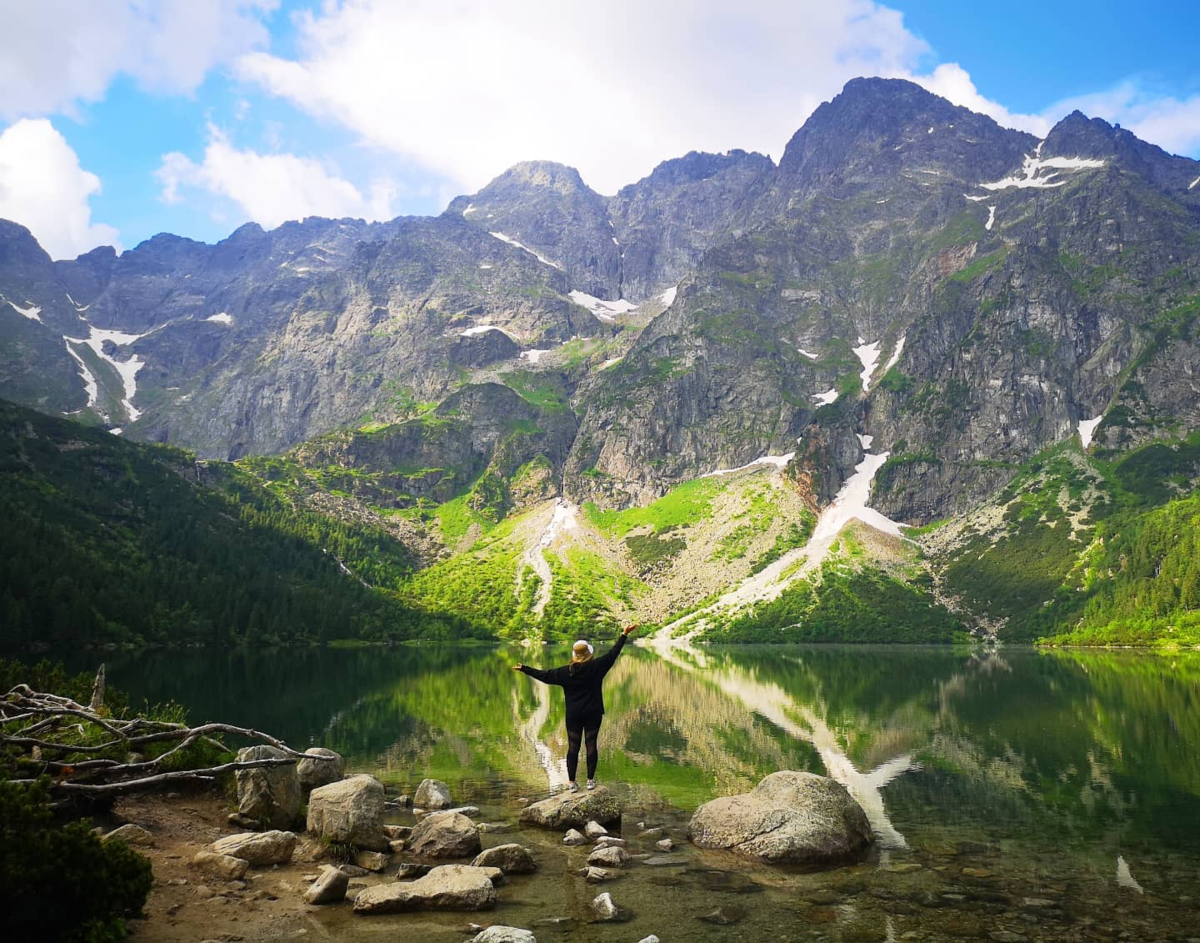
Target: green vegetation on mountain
[114, 541]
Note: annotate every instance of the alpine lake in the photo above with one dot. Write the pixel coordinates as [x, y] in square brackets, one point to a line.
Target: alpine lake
[1015, 794]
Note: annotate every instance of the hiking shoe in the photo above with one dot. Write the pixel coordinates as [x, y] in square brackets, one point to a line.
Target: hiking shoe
[591, 784]
[573, 787]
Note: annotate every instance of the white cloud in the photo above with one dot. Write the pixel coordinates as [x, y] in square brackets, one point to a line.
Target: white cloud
[952, 82]
[57, 53]
[1171, 123]
[470, 88]
[271, 188]
[43, 188]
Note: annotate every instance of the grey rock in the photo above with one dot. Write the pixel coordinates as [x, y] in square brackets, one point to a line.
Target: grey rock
[132, 835]
[258, 848]
[432, 794]
[789, 817]
[445, 835]
[226, 867]
[269, 795]
[606, 909]
[397, 832]
[595, 875]
[467, 810]
[372, 860]
[609, 841]
[498, 934]
[511, 859]
[349, 811]
[574, 810]
[574, 837]
[665, 861]
[325, 767]
[594, 830]
[649, 939]
[664, 845]
[609, 858]
[329, 888]
[410, 870]
[494, 828]
[449, 887]
[651, 833]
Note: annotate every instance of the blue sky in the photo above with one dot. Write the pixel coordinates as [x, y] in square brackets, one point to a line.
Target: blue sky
[118, 121]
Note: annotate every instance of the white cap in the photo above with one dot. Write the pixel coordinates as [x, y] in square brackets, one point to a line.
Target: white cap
[584, 644]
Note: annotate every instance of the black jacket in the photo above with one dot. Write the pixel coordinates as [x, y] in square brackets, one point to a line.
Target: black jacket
[580, 682]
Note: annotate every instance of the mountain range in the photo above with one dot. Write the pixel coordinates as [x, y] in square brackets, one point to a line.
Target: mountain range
[976, 348]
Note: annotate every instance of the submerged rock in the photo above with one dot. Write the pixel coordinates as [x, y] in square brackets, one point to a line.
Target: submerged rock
[269, 795]
[609, 857]
[329, 888]
[258, 848]
[432, 794]
[605, 908]
[372, 860]
[724, 916]
[499, 934]
[789, 817]
[574, 810]
[324, 767]
[450, 887]
[594, 875]
[350, 811]
[445, 835]
[511, 859]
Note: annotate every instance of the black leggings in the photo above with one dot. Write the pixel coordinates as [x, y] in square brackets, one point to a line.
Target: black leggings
[582, 730]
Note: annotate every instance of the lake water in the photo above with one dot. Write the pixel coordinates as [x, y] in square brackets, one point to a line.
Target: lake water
[1044, 795]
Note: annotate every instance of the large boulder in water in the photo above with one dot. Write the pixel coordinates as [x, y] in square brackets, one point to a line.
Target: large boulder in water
[573, 810]
[269, 795]
[444, 835]
[511, 859]
[450, 887]
[788, 818]
[349, 811]
[320, 767]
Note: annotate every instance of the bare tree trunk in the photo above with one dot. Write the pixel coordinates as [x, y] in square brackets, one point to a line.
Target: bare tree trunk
[98, 690]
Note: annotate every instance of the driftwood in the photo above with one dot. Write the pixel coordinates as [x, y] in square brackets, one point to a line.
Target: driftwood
[48, 729]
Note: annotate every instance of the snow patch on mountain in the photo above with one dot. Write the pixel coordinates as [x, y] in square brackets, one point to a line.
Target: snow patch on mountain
[513, 242]
[824, 399]
[1031, 176]
[604, 310]
[33, 312]
[895, 355]
[779, 461]
[223, 318]
[868, 354]
[127, 370]
[89, 379]
[1087, 429]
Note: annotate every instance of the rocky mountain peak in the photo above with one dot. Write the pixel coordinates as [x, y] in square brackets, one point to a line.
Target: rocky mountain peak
[1078, 136]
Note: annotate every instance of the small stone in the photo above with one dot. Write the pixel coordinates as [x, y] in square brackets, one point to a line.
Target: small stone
[594, 830]
[467, 810]
[372, 860]
[723, 916]
[498, 934]
[649, 939]
[132, 835]
[410, 870]
[354, 870]
[574, 838]
[665, 845]
[595, 875]
[1037, 902]
[977, 872]
[397, 832]
[609, 858]
[329, 888]
[650, 833]
[665, 861]
[432, 794]
[494, 828]
[226, 867]
[396, 846]
[606, 909]
[902, 867]
[511, 859]
[204, 892]
[607, 841]
[178, 882]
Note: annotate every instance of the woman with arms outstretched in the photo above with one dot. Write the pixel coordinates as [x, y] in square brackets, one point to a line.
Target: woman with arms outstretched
[581, 681]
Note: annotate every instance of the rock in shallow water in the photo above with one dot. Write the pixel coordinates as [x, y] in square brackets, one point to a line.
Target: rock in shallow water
[504, 935]
[788, 818]
[511, 859]
[606, 909]
[574, 810]
[609, 857]
[432, 794]
[574, 838]
[329, 888]
[450, 887]
[445, 835]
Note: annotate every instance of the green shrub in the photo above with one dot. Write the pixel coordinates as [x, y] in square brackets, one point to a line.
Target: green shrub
[62, 882]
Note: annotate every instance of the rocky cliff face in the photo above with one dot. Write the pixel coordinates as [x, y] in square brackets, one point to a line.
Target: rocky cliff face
[911, 279]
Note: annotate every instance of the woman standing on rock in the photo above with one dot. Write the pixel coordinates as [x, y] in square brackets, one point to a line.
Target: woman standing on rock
[581, 681]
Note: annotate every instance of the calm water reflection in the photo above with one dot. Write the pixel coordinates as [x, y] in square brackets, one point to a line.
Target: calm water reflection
[1086, 766]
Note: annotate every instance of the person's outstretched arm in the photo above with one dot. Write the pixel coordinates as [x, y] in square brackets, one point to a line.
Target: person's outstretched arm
[606, 660]
[538, 674]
